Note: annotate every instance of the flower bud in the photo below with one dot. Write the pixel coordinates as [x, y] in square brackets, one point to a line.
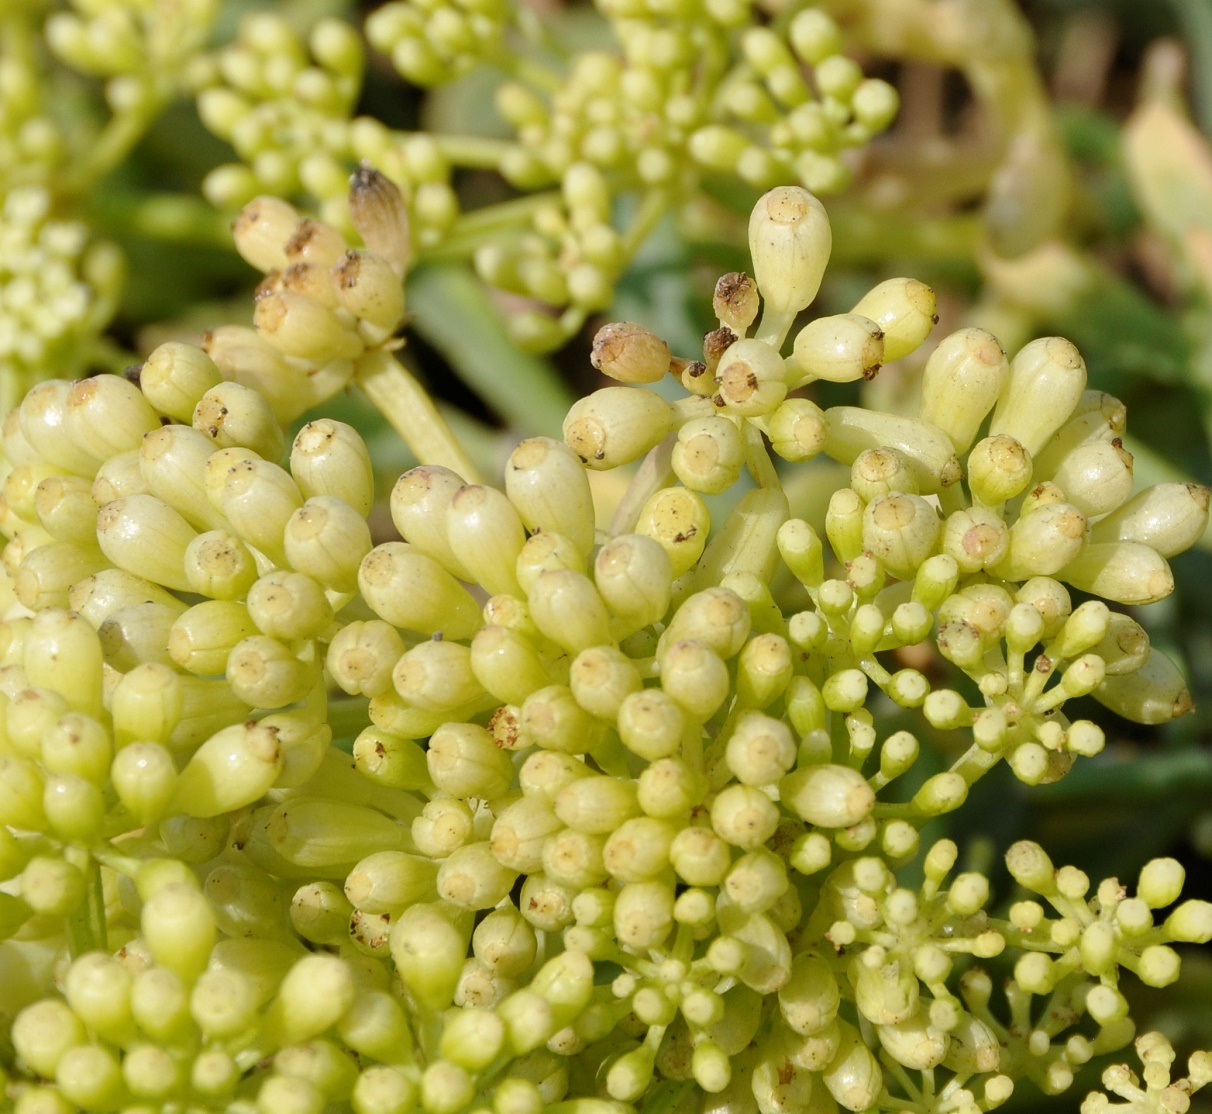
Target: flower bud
[616, 425]
[1168, 517]
[370, 289]
[838, 349]
[329, 458]
[744, 816]
[327, 539]
[828, 796]
[549, 488]
[231, 769]
[146, 537]
[419, 501]
[506, 663]
[259, 499]
[175, 376]
[61, 651]
[1155, 693]
[962, 380]
[694, 676]
[629, 353]
[668, 787]
[643, 914]
[752, 378]
[904, 309]
[483, 527]
[975, 537]
[1127, 572]
[999, 468]
[596, 805]
[1047, 378]
[851, 429]
[464, 761]
[1096, 478]
[266, 673]
[219, 565]
[633, 575]
[378, 212]
[233, 415]
[789, 242]
[797, 430]
[107, 414]
[709, 454]
[900, 531]
[471, 877]
[411, 590]
[853, 1076]
[566, 607]
[735, 301]
[1042, 542]
[678, 520]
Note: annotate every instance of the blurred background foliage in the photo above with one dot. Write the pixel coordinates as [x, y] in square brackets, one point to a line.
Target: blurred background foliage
[1048, 171]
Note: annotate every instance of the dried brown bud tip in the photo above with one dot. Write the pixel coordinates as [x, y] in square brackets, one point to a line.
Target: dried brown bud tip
[735, 301]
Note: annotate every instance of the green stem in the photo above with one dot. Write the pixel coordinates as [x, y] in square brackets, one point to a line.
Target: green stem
[117, 139]
[472, 229]
[477, 151]
[407, 406]
[652, 207]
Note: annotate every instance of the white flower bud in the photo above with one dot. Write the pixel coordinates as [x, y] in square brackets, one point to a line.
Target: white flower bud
[1043, 542]
[999, 468]
[901, 532]
[1096, 478]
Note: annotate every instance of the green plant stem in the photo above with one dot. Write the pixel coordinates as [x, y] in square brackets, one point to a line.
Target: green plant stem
[456, 316]
[476, 151]
[411, 412]
[117, 139]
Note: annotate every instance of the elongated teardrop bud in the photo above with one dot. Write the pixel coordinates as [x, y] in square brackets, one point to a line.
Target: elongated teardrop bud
[1047, 378]
[790, 242]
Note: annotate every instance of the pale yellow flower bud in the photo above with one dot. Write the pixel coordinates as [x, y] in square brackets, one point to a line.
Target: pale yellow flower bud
[261, 231]
[928, 449]
[549, 488]
[616, 425]
[838, 349]
[630, 353]
[419, 501]
[1043, 542]
[1155, 693]
[678, 520]
[789, 242]
[904, 309]
[1168, 517]
[411, 590]
[962, 380]
[1046, 381]
[1127, 572]
[901, 532]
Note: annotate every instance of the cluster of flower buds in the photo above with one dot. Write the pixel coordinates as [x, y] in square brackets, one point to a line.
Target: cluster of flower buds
[432, 43]
[612, 826]
[284, 106]
[58, 292]
[141, 50]
[774, 106]
[1161, 1091]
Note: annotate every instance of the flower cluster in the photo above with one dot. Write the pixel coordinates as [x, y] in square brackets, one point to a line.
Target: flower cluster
[697, 91]
[616, 827]
[58, 292]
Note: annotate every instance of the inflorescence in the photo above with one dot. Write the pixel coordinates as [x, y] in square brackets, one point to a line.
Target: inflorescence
[619, 829]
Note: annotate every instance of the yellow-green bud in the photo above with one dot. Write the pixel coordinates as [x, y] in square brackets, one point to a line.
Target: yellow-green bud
[616, 425]
[838, 349]
[789, 242]
[1046, 381]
